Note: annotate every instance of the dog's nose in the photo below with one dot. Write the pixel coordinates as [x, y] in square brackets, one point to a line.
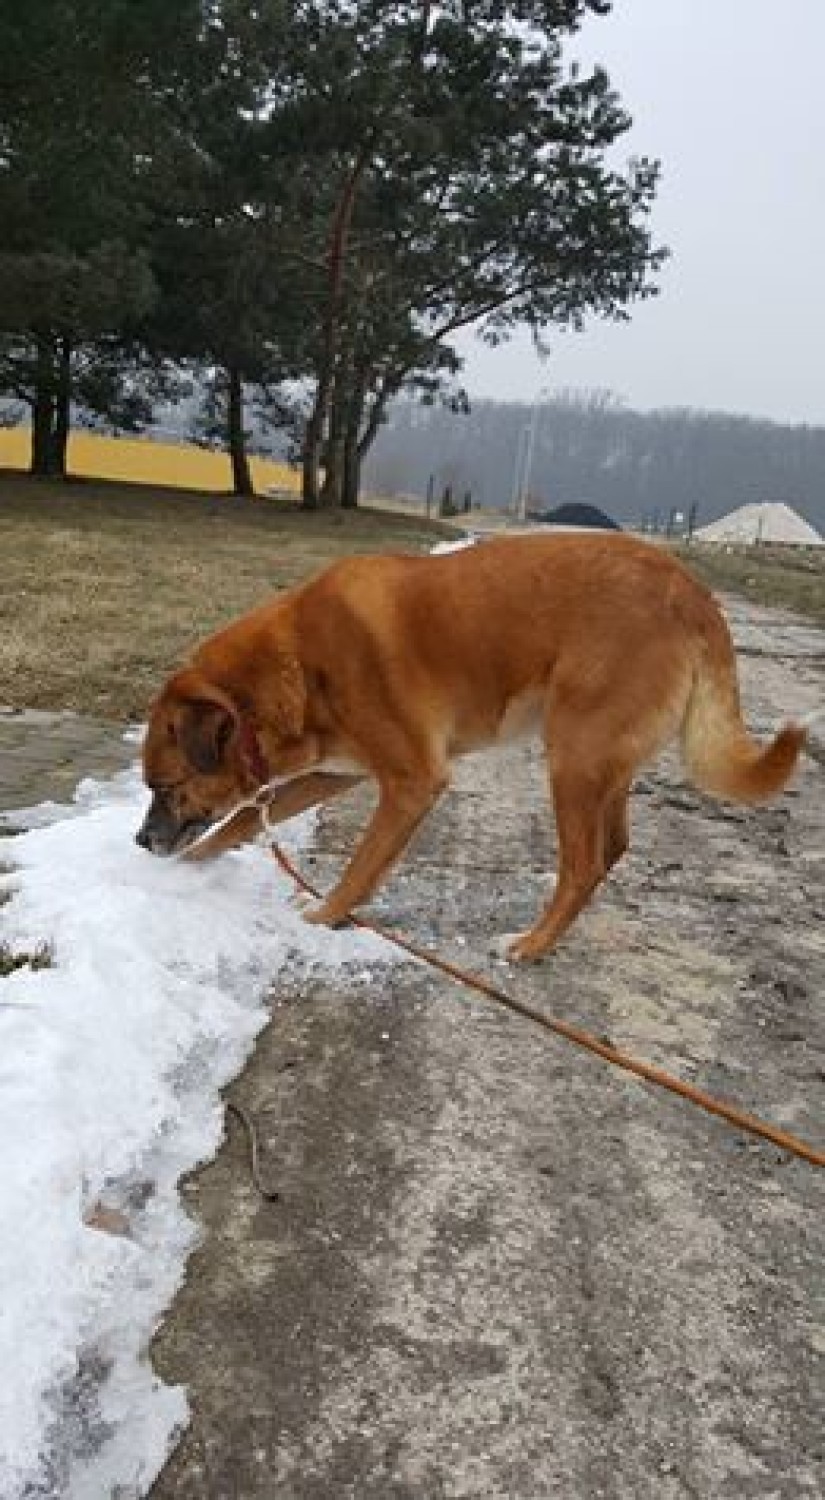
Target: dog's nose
[143, 838]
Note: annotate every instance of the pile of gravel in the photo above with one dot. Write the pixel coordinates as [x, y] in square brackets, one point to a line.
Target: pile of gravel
[762, 523]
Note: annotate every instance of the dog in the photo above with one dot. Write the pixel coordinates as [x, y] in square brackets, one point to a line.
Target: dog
[390, 667]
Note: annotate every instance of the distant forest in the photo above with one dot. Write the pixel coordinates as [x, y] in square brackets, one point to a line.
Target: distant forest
[639, 467]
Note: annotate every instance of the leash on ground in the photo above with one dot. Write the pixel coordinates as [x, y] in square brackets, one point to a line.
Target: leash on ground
[731, 1113]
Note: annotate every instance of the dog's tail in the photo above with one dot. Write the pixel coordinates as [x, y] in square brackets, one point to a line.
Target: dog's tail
[720, 756]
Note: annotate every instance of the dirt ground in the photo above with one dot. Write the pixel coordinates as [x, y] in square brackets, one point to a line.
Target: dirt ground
[500, 1268]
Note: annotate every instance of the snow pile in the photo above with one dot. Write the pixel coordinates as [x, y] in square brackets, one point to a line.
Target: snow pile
[111, 1064]
[468, 540]
[761, 523]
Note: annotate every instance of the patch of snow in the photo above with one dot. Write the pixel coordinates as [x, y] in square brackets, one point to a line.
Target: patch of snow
[761, 523]
[457, 546]
[112, 1062]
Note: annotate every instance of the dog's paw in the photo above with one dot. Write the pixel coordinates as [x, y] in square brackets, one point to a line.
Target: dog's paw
[312, 911]
[501, 946]
[321, 914]
[517, 948]
[527, 949]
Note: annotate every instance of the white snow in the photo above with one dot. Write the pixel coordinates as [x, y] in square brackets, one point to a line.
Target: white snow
[761, 523]
[111, 1062]
[468, 540]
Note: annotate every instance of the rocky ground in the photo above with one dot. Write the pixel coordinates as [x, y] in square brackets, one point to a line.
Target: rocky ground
[498, 1267]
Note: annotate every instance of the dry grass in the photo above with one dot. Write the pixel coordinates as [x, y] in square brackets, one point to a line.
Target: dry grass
[788, 577]
[91, 455]
[105, 587]
[10, 961]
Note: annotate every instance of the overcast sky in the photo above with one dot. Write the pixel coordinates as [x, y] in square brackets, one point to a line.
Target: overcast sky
[730, 95]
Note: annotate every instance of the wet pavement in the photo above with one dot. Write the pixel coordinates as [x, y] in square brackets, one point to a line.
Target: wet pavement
[44, 755]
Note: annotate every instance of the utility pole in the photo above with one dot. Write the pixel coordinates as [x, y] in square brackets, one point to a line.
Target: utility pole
[530, 446]
[518, 469]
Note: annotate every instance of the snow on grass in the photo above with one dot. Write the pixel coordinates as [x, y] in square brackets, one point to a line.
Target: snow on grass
[110, 1065]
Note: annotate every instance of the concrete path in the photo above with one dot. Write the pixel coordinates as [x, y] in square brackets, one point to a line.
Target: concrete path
[44, 755]
[500, 1270]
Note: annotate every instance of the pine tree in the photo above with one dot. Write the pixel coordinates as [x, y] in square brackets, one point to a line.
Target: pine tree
[81, 85]
[467, 183]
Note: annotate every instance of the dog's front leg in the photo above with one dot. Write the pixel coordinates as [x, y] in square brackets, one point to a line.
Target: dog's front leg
[244, 827]
[286, 801]
[294, 797]
[402, 805]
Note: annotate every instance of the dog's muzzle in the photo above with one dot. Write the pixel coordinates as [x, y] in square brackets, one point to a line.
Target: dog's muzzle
[159, 834]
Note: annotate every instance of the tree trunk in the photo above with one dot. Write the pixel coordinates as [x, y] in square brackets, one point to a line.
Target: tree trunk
[375, 416]
[62, 409]
[332, 489]
[311, 463]
[43, 409]
[352, 472]
[236, 437]
[353, 450]
[333, 486]
[51, 408]
[324, 391]
[42, 417]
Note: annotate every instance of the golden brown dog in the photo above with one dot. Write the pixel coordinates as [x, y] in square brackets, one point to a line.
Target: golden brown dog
[389, 667]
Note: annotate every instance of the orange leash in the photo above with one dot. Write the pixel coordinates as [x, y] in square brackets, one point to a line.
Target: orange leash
[581, 1038]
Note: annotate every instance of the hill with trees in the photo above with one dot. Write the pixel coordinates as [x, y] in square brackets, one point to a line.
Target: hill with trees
[641, 468]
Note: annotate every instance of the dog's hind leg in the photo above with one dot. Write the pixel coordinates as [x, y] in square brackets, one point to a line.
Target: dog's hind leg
[592, 828]
[617, 827]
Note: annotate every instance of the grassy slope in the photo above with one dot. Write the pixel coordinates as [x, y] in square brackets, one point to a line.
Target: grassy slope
[790, 578]
[104, 587]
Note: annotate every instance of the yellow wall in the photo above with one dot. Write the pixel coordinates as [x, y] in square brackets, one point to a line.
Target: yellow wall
[140, 461]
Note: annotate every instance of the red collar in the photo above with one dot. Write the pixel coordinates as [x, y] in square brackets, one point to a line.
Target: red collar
[252, 753]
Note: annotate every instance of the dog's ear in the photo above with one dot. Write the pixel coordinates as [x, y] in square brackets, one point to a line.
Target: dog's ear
[207, 722]
[287, 698]
[206, 729]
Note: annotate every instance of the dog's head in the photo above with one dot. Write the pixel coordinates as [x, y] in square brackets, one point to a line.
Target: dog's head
[192, 762]
[201, 755]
